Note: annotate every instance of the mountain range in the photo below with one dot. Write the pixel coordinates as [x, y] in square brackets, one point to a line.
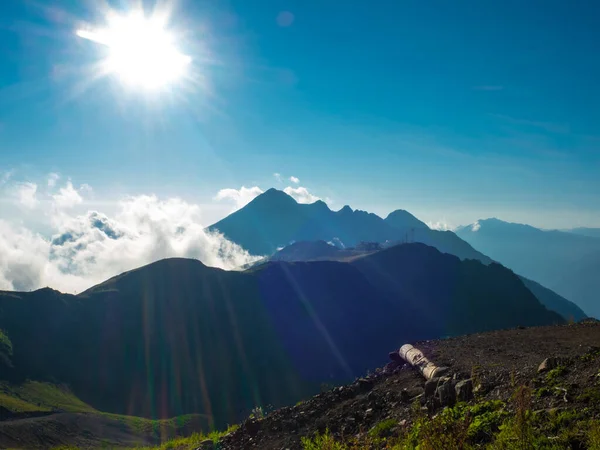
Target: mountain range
[323, 251]
[591, 232]
[565, 262]
[177, 336]
[274, 220]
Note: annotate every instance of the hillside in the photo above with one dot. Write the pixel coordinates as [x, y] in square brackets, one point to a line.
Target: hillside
[319, 250]
[274, 220]
[44, 415]
[514, 405]
[178, 337]
[564, 262]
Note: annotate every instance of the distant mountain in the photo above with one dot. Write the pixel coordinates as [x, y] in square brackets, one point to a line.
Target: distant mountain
[591, 232]
[554, 302]
[320, 250]
[274, 220]
[567, 263]
[176, 336]
[404, 220]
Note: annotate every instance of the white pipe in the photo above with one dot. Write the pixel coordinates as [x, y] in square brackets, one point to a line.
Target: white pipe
[417, 359]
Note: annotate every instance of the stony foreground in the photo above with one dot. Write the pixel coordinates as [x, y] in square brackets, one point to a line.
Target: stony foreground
[375, 410]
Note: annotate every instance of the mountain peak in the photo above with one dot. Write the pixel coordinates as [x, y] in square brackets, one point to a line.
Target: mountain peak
[403, 219]
[274, 197]
[345, 210]
[320, 204]
[274, 193]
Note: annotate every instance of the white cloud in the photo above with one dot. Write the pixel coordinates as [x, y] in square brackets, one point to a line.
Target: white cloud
[52, 179]
[301, 194]
[294, 180]
[476, 226]
[440, 225]
[278, 177]
[26, 194]
[67, 197]
[90, 248]
[240, 197]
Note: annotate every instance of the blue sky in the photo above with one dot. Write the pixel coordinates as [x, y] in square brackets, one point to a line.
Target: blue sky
[454, 111]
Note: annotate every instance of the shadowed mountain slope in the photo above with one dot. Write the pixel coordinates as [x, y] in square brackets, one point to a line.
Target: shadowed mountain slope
[567, 263]
[177, 337]
[319, 250]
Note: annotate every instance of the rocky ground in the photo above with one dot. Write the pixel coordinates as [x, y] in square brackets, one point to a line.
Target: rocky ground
[559, 365]
[387, 409]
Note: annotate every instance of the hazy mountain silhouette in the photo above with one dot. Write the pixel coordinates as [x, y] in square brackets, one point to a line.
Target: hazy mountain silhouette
[274, 220]
[320, 250]
[591, 232]
[176, 336]
[568, 263]
[404, 220]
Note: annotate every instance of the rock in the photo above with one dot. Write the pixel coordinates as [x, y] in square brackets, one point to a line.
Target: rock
[446, 393]
[464, 390]
[365, 385]
[548, 364]
[404, 396]
[431, 386]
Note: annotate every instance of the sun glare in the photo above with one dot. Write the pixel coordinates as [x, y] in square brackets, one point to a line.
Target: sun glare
[141, 51]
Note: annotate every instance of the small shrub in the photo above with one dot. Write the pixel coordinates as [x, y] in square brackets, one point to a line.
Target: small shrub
[590, 395]
[562, 420]
[486, 419]
[257, 413]
[543, 392]
[382, 429]
[322, 442]
[591, 355]
[553, 376]
[448, 430]
[593, 435]
[519, 432]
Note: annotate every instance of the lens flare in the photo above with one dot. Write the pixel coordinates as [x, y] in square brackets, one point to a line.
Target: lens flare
[141, 51]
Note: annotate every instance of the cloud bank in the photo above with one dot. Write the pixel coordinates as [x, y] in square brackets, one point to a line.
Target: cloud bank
[301, 194]
[89, 248]
[67, 196]
[26, 194]
[440, 225]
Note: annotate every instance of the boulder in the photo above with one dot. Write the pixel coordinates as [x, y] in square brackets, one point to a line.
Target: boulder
[446, 393]
[464, 390]
[548, 364]
[431, 386]
[404, 396]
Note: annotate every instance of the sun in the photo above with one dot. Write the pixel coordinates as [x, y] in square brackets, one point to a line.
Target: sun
[142, 53]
